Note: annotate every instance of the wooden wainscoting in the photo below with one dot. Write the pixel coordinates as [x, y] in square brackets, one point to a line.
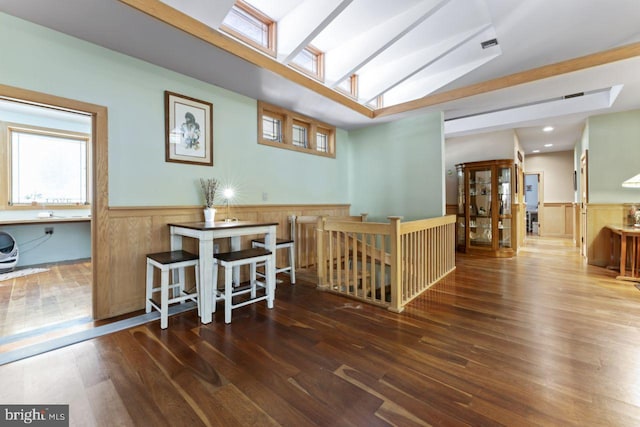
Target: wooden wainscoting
[133, 232]
[598, 236]
[558, 220]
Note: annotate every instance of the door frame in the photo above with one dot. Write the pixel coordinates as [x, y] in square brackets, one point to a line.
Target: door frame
[99, 183]
[584, 200]
[540, 176]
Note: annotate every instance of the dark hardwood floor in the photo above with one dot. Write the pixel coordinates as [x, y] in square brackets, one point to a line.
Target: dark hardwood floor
[540, 339]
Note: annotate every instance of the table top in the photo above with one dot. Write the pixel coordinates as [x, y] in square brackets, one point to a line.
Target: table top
[627, 229]
[221, 225]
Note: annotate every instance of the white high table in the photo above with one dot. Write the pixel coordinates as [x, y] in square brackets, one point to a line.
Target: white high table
[206, 233]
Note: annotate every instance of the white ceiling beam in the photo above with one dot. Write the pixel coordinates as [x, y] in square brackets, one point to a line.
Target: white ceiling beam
[374, 82]
[300, 26]
[209, 12]
[593, 101]
[350, 56]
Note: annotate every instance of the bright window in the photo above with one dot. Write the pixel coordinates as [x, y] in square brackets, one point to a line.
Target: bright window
[349, 86]
[300, 132]
[311, 61]
[272, 127]
[47, 167]
[251, 26]
[282, 128]
[322, 142]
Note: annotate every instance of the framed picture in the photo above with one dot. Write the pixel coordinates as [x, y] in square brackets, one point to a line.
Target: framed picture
[188, 130]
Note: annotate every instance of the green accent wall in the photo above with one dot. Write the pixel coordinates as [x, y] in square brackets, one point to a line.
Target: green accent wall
[398, 168]
[39, 59]
[614, 156]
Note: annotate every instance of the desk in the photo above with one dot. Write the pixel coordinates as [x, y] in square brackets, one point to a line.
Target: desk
[627, 234]
[205, 233]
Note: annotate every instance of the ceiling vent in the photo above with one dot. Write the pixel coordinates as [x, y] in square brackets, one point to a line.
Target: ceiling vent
[574, 95]
[489, 43]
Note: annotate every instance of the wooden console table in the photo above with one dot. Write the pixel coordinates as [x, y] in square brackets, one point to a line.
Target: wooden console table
[629, 238]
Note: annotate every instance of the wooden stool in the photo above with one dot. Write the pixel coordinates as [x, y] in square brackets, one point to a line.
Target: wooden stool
[229, 260]
[166, 262]
[281, 244]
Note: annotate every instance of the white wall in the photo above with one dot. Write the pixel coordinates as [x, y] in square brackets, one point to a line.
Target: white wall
[557, 170]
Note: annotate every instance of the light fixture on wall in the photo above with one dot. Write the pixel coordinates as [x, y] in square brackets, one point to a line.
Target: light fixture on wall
[228, 194]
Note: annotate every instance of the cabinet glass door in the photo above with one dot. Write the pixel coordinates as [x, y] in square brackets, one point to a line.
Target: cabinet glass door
[461, 208]
[504, 207]
[480, 207]
[504, 233]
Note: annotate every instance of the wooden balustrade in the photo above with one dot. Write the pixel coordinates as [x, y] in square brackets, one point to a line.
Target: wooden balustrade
[386, 264]
[303, 231]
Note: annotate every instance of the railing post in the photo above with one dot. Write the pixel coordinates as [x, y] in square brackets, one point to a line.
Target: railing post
[292, 236]
[363, 217]
[321, 262]
[396, 265]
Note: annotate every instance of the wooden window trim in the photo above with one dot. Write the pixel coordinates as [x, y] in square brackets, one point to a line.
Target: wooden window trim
[353, 87]
[290, 118]
[330, 138]
[5, 192]
[320, 60]
[270, 49]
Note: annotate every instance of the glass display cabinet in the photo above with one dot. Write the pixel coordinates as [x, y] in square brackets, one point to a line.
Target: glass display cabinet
[485, 224]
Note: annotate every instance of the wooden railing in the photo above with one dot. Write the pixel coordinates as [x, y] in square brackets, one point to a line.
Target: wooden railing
[386, 264]
[303, 232]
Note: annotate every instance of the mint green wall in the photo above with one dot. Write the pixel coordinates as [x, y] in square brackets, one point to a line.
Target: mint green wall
[397, 168]
[614, 156]
[133, 91]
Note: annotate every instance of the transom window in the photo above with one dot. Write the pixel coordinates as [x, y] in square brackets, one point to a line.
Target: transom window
[300, 134]
[47, 167]
[281, 128]
[251, 26]
[310, 61]
[322, 140]
[349, 86]
[272, 127]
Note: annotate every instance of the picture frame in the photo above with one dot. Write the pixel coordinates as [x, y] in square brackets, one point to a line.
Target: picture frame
[188, 130]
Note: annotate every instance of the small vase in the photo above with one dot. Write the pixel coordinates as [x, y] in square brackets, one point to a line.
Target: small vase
[209, 215]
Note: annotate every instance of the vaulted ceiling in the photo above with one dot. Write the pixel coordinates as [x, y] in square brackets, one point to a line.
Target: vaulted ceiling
[419, 54]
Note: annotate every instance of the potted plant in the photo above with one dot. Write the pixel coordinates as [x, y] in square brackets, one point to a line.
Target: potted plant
[209, 187]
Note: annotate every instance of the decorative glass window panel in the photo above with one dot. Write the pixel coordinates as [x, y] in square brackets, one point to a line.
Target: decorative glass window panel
[248, 25]
[322, 142]
[310, 61]
[349, 86]
[307, 60]
[271, 128]
[299, 135]
[48, 169]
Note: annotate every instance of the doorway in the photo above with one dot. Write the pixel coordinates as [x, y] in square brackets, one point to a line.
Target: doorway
[533, 200]
[46, 156]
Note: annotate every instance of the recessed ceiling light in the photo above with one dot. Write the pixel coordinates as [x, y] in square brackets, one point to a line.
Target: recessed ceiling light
[548, 145]
[535, 151]
[547, 128]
